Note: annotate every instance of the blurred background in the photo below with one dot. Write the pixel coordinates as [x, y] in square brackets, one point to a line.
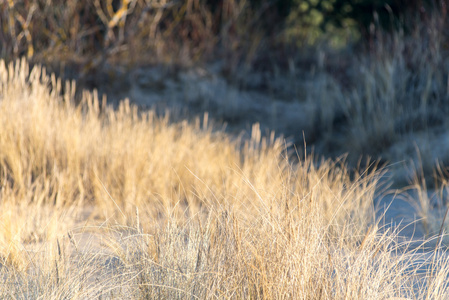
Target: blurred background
[358, 78]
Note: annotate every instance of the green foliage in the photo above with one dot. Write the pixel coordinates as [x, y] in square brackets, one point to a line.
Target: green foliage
[311, 19]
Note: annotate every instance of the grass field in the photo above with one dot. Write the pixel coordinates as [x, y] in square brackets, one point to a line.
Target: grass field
[99, 202]
[103, 203]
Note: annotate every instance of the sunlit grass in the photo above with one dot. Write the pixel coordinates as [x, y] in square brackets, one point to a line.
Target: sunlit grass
[97, 202]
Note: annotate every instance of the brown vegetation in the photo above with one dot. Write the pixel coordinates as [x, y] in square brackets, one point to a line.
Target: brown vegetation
[181, 211]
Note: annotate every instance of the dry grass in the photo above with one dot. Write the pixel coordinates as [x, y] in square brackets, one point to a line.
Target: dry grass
[431, 205]
[103, 203]
[392, 88]
[88, 33]
[397, 91]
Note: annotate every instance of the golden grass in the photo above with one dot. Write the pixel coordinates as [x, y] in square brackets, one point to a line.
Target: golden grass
[97, 202]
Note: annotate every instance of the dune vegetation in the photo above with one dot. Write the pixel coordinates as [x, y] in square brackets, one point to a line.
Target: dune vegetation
[103, 203]
[102, 200]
